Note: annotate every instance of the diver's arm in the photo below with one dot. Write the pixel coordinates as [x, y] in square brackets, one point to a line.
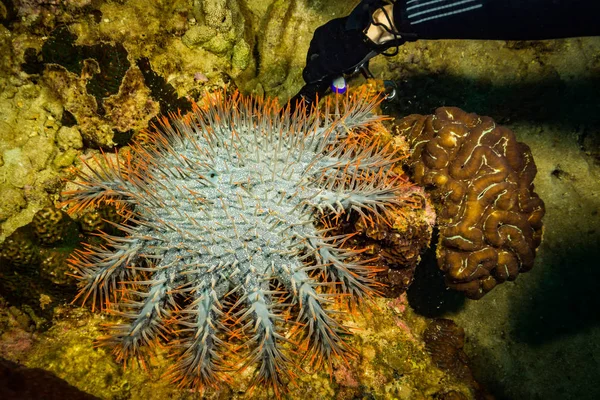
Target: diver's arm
[375, 25]
[496, 19]
[343, 44]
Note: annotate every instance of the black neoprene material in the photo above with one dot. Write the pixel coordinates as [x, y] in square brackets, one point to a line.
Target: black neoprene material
[498, 19]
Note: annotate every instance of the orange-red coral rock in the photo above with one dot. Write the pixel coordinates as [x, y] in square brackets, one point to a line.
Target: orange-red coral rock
[480, 176]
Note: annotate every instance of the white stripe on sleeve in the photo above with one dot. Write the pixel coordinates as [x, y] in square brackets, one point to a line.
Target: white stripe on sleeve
[446, 14]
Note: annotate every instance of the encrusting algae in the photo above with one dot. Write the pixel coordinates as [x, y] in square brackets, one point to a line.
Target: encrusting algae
[226, 254]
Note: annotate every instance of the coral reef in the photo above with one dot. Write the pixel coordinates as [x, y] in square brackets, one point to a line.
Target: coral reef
[91, 220]
[128, 110]
[50, 225]
[514, 81]
[396, 247]
[38, 14]
[285, 28]
[55, 268]
[35, 277]
[444, 341]
[399, 246]
[391, 362]
[28, 174]
[161, 91]
[30, 160]
[102, 218]
[230, 234]
[34, 272]
[16, 331]
[481, 178]
[19, 250]
[65, 351]
[220, 29]
[97, 85]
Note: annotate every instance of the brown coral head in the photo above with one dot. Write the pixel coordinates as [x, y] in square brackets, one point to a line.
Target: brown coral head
[481, 180]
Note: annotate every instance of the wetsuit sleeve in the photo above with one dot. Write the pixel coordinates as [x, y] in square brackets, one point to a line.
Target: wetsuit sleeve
[497, 19]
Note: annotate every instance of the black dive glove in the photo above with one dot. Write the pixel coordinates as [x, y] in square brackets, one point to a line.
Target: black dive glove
[340, 47]
[336, 50]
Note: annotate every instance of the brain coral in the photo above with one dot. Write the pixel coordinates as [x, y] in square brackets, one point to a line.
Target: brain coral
[228, 244]
[489, 217]
[49, 225]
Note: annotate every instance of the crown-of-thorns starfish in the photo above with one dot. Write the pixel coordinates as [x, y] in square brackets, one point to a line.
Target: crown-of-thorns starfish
[228, 234]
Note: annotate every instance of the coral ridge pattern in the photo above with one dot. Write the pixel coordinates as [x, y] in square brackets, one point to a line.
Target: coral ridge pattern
[490, 219]
[225, 253]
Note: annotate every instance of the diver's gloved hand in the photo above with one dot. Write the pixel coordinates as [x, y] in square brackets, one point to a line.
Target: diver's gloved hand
[335, 50]
[341, 45]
